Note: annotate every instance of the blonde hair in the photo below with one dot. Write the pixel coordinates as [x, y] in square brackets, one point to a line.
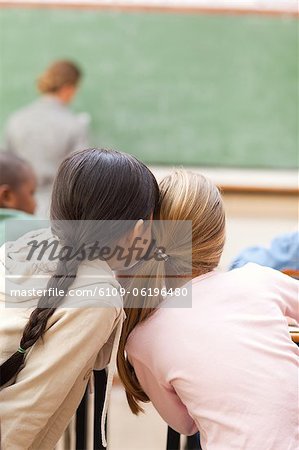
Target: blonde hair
[184, 196]
[57, 75]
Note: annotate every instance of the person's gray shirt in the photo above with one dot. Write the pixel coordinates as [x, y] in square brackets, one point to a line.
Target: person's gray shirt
[44, 132]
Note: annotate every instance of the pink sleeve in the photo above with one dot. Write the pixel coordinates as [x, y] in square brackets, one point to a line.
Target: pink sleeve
[288, 288]
[164, 399]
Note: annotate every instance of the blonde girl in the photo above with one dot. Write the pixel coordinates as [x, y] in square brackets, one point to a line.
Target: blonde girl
[225, 366]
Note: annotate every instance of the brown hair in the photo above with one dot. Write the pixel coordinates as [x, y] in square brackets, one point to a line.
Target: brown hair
[57, 75]
[14, 170]
[183, 196]
[91, 185]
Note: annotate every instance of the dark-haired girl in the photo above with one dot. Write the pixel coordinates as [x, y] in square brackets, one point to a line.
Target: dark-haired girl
[49, 345]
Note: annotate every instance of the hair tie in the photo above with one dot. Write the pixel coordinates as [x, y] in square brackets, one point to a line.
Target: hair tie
[160, 253]
[21, 350]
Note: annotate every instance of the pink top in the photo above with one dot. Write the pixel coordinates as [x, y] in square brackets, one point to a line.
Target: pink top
[227, 366]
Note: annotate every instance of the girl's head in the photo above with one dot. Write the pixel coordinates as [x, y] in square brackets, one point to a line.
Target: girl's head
[92, 185]
[102, 195]
[184, 196]
[190, 196]
[60, 79]
[17, 183]
[100, 184]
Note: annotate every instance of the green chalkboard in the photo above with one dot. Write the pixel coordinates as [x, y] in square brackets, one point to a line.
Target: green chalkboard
[170, 88]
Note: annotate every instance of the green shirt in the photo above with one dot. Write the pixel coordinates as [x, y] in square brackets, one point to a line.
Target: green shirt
[20, 224]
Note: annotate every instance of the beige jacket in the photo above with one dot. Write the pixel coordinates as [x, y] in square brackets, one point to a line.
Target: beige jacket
[82, 335]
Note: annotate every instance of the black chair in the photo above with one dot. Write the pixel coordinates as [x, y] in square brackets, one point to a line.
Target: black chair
[100, 382]
[81, 424]
[174, 439]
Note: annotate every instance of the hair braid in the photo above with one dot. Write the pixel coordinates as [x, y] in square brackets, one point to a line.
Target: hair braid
[37, 323]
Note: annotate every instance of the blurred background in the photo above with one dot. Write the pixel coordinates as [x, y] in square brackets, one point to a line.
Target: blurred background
[171, 88]
[208, 85]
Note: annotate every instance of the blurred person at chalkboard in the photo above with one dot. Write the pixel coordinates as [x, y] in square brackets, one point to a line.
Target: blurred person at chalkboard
[45, 131]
